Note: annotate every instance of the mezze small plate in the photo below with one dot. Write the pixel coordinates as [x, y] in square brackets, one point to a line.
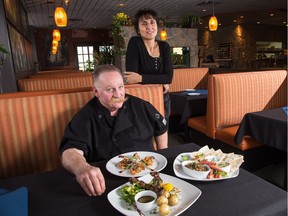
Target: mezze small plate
[177, 167]
[189, 195]
[159, 163]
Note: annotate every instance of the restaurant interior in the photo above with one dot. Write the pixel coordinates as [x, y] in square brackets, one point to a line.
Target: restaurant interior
[228, 92]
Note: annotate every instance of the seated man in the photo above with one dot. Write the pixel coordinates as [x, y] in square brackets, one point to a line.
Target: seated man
[110, 124]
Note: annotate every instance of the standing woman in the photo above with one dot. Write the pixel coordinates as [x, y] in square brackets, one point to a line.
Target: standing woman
[148, 61]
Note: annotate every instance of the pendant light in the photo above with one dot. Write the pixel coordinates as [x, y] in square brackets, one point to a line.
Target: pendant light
[54, 43]
[56, 35]
[60, 17]
[213, 22]
[163, 33]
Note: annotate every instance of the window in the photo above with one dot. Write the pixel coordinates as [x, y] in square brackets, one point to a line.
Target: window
[84, 54]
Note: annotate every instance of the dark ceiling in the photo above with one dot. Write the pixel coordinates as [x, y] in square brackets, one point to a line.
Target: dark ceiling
[86, 14]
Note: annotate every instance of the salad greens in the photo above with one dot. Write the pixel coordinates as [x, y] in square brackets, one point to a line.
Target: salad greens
[129, 191]
[184, 157]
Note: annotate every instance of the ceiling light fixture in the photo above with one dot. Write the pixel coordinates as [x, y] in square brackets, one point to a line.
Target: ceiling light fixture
[213, 22]
[163, 33]
[54, 43]
[56, 35]
[60, 17]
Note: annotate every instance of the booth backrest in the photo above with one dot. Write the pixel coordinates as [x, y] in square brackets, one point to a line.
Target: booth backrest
[51, 75]
[53, 83]
[32, 125]
[189, 78]
[231, 96]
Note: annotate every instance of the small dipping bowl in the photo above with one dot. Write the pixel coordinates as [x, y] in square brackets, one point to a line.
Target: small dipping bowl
[195, 173]
[146, 200]
[212, 158]
[225, 166]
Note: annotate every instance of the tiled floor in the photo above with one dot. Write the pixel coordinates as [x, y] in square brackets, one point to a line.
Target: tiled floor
[266, 163]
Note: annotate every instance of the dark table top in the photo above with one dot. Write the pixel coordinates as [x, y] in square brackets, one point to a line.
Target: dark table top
[58, 193]
[188, 105]
[268, 127]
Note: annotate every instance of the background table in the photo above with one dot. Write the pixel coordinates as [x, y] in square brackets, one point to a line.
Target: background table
[57, 193]
[268, 127]
[188, 105]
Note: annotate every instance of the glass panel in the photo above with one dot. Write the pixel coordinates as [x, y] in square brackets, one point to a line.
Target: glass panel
[85, 58]
[80, 58]
[81, 66]
[90, 49]
[85, 50]
[79, 50]
[180, 56]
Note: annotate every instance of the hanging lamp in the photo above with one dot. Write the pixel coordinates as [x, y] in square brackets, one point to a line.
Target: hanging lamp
[213, 22]
[54, 43]
[163, 35]
[60, 17]
[56, 35]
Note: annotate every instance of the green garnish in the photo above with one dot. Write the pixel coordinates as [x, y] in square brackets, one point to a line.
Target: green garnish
[184, 157]
[129, 191]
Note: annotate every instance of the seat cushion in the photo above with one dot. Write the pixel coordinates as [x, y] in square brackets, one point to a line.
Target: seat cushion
[198, 123]
[226, 135]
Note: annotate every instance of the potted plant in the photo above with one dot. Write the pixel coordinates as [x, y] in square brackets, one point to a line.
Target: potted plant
[89, 67]
[5, 52]
[190, 20]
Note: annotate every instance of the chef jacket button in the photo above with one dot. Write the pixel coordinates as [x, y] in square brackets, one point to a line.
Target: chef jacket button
[100, 116]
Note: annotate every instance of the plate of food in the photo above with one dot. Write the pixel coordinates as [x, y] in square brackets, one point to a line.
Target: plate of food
[193, 93]
[189, 90]
[135, 164]
[221, 165]
[174, 195]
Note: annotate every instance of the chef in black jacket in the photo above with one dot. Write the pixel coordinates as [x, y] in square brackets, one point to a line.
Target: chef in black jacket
[111, 123]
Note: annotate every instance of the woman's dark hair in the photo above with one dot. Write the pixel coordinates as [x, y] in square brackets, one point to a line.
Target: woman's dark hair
[146, 13]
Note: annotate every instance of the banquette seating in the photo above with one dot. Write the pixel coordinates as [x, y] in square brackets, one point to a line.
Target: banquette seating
[32, 125]
[51, 75]
[52, 83]
[231, 96]
[189, 78]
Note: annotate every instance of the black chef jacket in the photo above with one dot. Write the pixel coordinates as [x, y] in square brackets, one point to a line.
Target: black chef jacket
[101, 136]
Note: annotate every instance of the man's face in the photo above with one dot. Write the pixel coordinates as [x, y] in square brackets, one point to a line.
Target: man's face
[110, 90]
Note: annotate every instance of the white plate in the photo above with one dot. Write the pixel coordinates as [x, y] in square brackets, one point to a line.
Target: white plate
[190, 89]
[188, 195]
[159, 163]
[193, 93]
[177, 167]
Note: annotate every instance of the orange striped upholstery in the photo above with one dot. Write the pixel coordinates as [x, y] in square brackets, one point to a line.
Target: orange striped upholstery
[231, 96]
[32, 124]
[40, 84]
[234, 96]
[189, 78]
[152, 93]
[72, 74]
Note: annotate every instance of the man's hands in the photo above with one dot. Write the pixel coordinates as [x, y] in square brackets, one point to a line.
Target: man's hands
[89, 177]
[91, 180]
